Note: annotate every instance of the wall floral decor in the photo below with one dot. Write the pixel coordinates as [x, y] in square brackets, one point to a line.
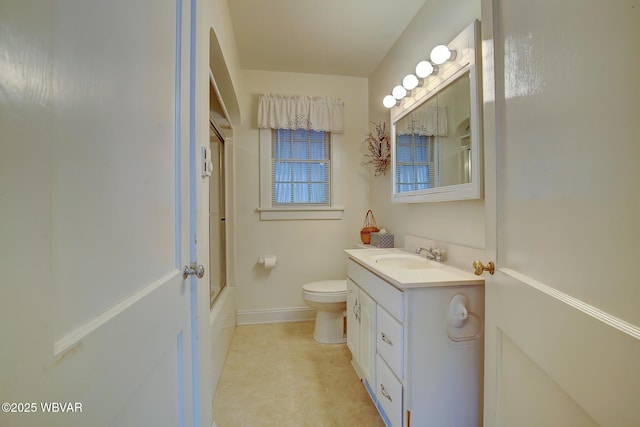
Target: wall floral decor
[379, 145]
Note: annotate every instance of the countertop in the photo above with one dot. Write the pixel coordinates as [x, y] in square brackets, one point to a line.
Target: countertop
[433, 275]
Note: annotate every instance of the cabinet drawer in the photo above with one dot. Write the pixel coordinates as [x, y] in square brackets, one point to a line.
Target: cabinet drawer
[388, 393]
[390, 340]
[381, 291]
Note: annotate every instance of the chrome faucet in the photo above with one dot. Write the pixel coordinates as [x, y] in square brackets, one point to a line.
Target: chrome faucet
[433, 254]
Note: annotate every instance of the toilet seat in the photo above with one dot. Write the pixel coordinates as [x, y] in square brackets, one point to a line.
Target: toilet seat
[325, 291]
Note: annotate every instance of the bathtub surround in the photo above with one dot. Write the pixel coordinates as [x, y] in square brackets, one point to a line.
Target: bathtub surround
[222, 325]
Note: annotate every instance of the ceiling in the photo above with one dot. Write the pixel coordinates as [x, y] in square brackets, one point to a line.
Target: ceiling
[337, 37]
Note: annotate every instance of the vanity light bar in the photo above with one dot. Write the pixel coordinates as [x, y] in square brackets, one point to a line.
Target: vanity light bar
[439, 55]
[399, 92]
[410, 82]
[425, 68]
[389, 101]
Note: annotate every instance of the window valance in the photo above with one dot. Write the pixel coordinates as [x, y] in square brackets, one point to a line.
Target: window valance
[429, 122]
[300, 112]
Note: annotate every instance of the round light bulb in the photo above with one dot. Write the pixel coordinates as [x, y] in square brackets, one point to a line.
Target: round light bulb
[389, 101]
[410, 82]
[440, 54]
[424, 69]
[399, 92]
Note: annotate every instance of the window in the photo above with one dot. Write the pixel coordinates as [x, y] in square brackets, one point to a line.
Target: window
[415, 162]
[300, 167]
[299, 175]
[300, 147]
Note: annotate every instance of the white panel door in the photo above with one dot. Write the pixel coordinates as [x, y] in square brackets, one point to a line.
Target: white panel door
[561, 145]
[95, 203]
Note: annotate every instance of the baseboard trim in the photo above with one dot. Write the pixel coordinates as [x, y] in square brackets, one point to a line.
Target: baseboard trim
[274, 315]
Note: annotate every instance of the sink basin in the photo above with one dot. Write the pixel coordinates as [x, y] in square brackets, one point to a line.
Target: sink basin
[404, 269]
[403, 261]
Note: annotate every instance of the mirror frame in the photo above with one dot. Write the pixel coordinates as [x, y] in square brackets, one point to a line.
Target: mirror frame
[467, 59]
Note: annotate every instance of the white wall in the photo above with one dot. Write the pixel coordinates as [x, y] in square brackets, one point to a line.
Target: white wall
[216, 51]
[438, 21]
[306, 250]
[312, 250]
[222, 55]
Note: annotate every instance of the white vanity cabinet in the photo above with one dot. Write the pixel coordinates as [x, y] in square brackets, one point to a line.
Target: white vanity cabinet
[418, 370]
[361, 322]
[353, 319]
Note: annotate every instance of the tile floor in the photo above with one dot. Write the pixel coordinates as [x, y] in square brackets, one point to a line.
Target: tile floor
[277, 376]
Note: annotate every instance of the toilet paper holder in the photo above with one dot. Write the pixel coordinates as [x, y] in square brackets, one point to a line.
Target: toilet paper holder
[268, 261]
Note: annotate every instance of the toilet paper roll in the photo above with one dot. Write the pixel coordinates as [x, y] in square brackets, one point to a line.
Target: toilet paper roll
[268, 261]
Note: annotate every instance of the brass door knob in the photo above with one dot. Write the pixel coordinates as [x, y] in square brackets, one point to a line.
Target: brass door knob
[479, 268]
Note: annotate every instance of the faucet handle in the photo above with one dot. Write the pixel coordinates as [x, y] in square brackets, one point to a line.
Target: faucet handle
[440, 254]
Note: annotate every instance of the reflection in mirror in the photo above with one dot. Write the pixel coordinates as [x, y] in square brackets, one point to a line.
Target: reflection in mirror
[416, 148]
[436, 135]
[454, 141]
[433, 141]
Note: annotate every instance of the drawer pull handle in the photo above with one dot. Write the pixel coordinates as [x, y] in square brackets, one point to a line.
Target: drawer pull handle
[384, 393]
[385, 338]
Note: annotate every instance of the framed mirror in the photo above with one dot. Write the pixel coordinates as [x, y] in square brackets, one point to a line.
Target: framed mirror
[436, 132]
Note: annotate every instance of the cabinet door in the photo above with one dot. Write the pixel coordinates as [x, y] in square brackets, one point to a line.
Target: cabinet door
[353, 323]
[367, 335]
[389, 394]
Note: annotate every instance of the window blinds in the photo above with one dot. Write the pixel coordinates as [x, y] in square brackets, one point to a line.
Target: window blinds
[416, 165]
[300, 167]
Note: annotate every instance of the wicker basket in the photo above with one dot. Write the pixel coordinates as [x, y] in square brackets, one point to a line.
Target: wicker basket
[368, 227]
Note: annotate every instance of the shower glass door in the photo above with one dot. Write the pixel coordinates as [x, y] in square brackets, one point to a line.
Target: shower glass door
[217, 240]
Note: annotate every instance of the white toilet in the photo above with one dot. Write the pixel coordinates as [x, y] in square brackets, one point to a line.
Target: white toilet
[329, 298]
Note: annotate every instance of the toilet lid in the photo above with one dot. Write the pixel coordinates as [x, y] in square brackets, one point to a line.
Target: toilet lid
[326, 286]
